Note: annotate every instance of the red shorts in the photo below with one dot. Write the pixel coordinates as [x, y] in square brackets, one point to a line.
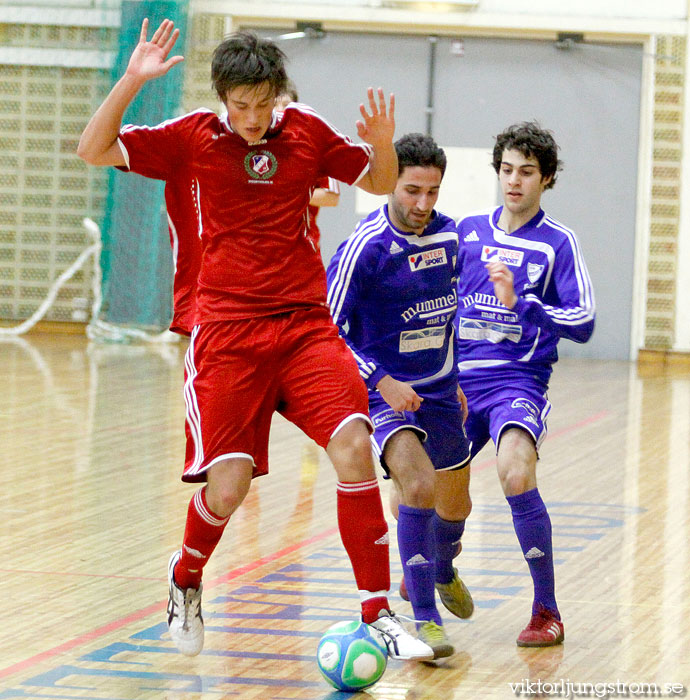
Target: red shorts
[237, 373]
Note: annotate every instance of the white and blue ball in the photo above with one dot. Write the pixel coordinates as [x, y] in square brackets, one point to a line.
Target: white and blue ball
[351, 656]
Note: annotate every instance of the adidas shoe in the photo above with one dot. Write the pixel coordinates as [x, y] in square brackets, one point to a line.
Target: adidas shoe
[184, 614]
[435, 636]
[543, 630]
[456, 597]
[399, 642]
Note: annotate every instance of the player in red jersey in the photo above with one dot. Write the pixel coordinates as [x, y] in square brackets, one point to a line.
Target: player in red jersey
[263, 339]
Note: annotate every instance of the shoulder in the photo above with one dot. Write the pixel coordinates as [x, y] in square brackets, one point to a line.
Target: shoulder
[297, 116]
[298, 111]
[370, 230]
[558, 233]
[185, 121]
[303, 117]
[480, 217]
[367, 238]
[556, 226]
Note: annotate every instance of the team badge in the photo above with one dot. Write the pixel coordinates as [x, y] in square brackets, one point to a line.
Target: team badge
[504, 255]
[534, 272]
[260, 165]
[429, 258]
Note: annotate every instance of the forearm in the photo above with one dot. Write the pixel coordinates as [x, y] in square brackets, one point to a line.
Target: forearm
[575, 323]
[383, 169]
[98, 142]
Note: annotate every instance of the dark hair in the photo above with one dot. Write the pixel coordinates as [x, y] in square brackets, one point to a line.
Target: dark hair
[290, 90]
[533, 142]
[419, 150]
[243, 58]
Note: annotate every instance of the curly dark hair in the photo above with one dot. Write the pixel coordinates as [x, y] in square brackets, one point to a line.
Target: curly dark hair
[533, 142]
[419, 149]
[245, 59]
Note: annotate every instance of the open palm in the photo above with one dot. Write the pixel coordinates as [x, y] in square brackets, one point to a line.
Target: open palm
[378, 125]
[150, 58]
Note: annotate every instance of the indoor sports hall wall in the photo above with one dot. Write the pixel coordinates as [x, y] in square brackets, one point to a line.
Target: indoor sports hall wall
[55, 67]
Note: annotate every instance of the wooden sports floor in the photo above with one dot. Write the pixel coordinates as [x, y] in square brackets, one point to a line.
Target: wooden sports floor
[91, 443]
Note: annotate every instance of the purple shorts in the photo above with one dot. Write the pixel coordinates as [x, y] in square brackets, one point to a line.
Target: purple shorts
[438, 422]
[495, 408]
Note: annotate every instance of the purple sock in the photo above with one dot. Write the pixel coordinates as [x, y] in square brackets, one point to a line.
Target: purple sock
[416, 547]
[533, 530]
[447, 534]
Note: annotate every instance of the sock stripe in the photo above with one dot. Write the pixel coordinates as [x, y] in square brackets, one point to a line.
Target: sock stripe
[371, 595]
[358, 487]
[205, 513]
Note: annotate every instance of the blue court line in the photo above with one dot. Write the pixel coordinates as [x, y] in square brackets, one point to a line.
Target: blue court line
[196, 683]
[105, 655]
[156, 632]
[271, 578]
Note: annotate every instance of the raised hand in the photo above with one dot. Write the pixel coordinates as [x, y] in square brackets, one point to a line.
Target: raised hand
[150, 58]
[378, 126]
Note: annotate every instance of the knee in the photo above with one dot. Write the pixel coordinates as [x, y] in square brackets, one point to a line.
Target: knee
[515, 481]
[454, 509]
[226, 489]
[418, 491]
[224, 499]
[517, 463]
[350, 451]
[357, 446]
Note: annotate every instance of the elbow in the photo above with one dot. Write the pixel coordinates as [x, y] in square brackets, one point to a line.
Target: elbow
[584, 333]
[84, 153]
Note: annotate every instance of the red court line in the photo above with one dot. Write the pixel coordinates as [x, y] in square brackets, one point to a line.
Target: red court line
[155, 607]
[563, 431]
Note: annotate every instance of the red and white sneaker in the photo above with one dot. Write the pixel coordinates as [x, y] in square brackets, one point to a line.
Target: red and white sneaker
[543, 630]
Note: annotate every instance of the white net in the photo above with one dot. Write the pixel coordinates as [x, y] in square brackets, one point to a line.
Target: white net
[96, 329]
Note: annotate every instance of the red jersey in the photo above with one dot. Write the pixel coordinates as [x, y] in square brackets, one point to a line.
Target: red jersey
[251, 203]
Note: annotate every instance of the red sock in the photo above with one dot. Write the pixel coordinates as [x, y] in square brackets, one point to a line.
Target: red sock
[202, 533]
[364, 533]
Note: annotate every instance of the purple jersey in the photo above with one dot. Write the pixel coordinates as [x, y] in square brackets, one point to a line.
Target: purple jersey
[393, 296]
[555, 298]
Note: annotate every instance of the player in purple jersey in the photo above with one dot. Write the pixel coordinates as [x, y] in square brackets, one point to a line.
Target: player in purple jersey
[392, 292]
[523, 285]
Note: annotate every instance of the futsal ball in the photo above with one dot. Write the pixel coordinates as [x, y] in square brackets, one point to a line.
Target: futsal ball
[351, 656]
